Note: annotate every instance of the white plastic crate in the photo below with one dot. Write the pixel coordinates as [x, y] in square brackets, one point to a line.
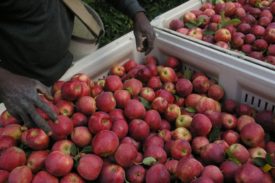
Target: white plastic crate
[244, 82]
[162, 22]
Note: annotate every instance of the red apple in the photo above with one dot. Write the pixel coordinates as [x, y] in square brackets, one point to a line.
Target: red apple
[63, 146]
[182, 133]
[201, 125]
[99, 121]
[71, 178]
[154, 82]
[167, 74]
[63, 126]
[79, 119]
[86, 105]
[249, 173]
[118, 70]
[134, 109]
[201, 84]
[109, 138]
[229, 169]
[184, 87]
[216, 92]
[153, 119]
[231, 137]
[81, 136]
[4, 175]
[229, 121]
[196, 33]
[252, 134]
[42, 176]
[238, 152]
[223, 34]
[120, 127]
[6, 142]
[89, 166]
[8, 163]
[138, 129]
[213, 172]
[125, 154]
[148, 94]
[58, 163]
[36, 160]
[20, 174]
[188, 169]
[184, 120]
[112, 173]
[157, 173]
[37, 139]
[122, 97]
[71, 90]
[133, 86]
[113, 83]
[136, 174]
[6, 119]
[244, 120]
[198, 143]
[105, 101]
[212, 153]
[180, 149]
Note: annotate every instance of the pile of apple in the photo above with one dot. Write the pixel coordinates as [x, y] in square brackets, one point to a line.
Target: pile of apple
[141, 123]
[245, 26]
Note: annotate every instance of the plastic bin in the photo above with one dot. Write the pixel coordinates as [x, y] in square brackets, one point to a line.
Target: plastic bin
[243, 81]
[162, 22]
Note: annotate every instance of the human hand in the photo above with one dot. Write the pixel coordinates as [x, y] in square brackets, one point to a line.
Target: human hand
[144, 33]
[21, 98]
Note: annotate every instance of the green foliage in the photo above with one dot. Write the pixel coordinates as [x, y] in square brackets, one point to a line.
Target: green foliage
[116, 24]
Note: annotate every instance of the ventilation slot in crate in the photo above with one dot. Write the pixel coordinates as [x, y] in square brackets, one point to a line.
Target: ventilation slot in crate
[257, 102]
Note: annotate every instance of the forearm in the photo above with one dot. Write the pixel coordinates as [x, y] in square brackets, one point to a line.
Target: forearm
[128, 7]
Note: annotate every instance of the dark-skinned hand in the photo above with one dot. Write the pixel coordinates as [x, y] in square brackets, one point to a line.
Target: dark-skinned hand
[21, 97]
[144, 33]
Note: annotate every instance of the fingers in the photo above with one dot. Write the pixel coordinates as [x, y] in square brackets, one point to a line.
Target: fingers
[42, 105]
[38, 120]
[44, 90]
[139, 41]
[150, 42]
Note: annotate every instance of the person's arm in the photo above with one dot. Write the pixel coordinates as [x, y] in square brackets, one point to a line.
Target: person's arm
[20, 96]
[144, 32]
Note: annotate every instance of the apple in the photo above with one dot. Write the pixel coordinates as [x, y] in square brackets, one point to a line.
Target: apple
[12, 158]
[71, 90]
[212, 153]
[96, 90]
[86, 105]
[229, 105]
[249, 173]
[182, 133]
[203, 180]
[188, 169]
[200, 125]
[120, 127]
[112, 173]
[20, 174]
[245, 28]
[133, 86]
[171, 166]
[184, 87]
[125, 154]
[79, 119]
[198, 143]
[231, 137]
[257, 152]
[223, 34]
[135, 174]
[175, 24]
[229, 121]
[195, 33]
[270, 35]
[172, 112]
[89, 166]
[99, 121]
[153, 119]
[216, 18]
[249, 38]
[165, 134]
[134, 109]
[111, 141]
[213, 172]
[148, 94]
[105, 101]
[81, 136]
[260, 45]
[229, 169]
[58, 163]
[116, 114]
[244, 120]
[154, 82]
[130, 140]
[118, 70]
[42, 176]
[166, 95]
[71, 177]
[170, 87]
[156, 173]
[184, 120]
[113, 83]
[252, 134]
[156, 152]
[238, 152]
[201, 84]
[36, 160]
[4, 175]
[62, 127]
[189, 17]
[6, 119]
[122, 97]
[192, 100]
[6, 142]
[151, 59]
[13, 130]
[167, 74]
[180, 149]
[63, 146]
[138, 129]
[37, 139]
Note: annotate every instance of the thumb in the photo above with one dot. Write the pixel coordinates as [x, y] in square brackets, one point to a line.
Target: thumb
[139, 41]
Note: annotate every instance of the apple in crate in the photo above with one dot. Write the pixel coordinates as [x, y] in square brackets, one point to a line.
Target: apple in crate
[44, 175]
[20, 174]
[135, 173]
[156, 173]
[12, 158]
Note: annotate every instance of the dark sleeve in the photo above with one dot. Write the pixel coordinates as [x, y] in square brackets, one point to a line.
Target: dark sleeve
[128, 7]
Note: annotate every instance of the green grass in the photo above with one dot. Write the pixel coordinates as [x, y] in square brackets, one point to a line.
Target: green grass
[116, 24]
